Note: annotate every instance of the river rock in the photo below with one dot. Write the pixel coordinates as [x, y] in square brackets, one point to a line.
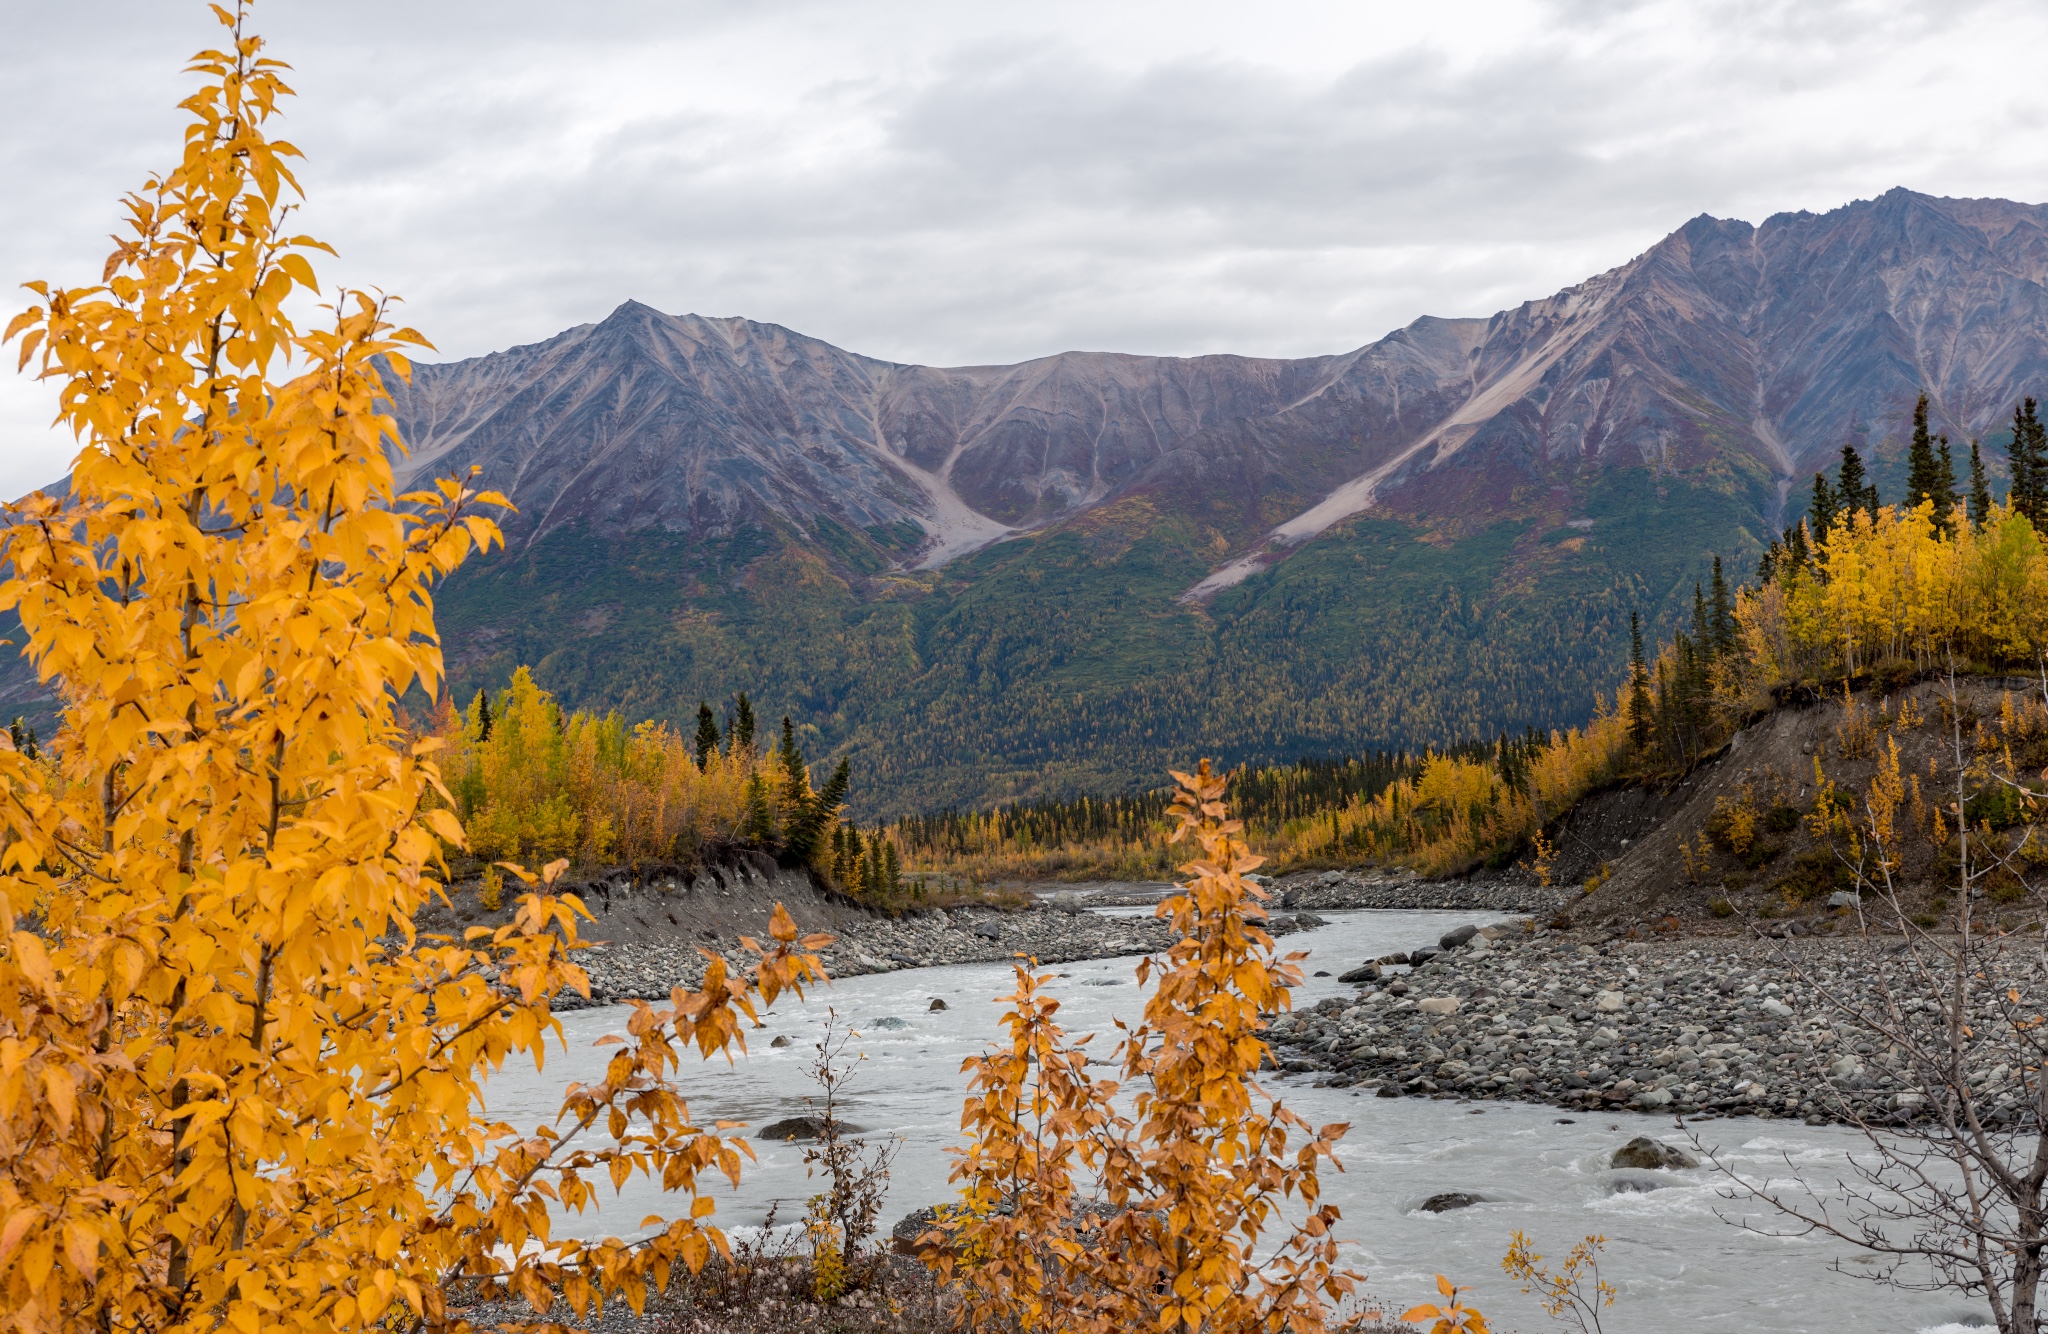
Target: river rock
[1608, 1002]
[909, 1234]
[1365, 972]
[781, 1041]
[1457, 936]
[795, 1127]
[937, 1004]
[1449, 1200]
[1645, 1154]
[1439, 1005]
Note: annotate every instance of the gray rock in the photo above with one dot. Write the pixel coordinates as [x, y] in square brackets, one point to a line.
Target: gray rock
[1843, 898]
[938, 1004]
[781, 1041]
[1457, 936]
[1645, 1154]
[1422, 956]
[913, 1232]
[1449, 1200]
[795, 1127]
[1365, 972]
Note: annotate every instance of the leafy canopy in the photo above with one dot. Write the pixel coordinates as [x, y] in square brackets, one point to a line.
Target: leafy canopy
[236, 1091]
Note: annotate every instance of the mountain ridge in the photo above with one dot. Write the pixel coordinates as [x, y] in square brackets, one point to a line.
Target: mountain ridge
[1697, 337]
[990, 583]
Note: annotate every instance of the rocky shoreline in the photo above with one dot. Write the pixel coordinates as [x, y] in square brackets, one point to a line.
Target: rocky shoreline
[1050, 932]
[1695, 1026]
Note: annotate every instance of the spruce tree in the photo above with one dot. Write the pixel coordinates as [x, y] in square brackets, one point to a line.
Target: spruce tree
[1798, 551]
[1946, 499]
[757, 822]
[1767, 564]
[1922, 479]
[1702, 635]
[743, 724]
[483, 716]
[707, 735]
[1980, 489]
[1853, 487]
[796, 775]
[2028, 493]
[1639, 707]
[1721, 608]
[1825, 505]
[892, 867]
[2019, 475]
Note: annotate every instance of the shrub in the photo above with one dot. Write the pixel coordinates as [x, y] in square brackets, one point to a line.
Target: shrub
[1189, 1178]
[1721, 908]
[1733, 824]
[1816, 873]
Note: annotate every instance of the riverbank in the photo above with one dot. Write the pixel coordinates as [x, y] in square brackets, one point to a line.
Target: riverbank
[1693, 1026]
[1061, 931]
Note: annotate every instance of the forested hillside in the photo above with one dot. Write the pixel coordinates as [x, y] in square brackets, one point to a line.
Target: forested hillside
[1064, 663]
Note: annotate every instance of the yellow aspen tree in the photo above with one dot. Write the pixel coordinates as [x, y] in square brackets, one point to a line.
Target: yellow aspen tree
[236, 1090]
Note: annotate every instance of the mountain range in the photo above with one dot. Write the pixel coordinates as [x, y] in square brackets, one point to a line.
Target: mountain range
[985, 583]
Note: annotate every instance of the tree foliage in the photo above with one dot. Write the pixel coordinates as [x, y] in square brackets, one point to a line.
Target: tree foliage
[543, 783]
[1190, 1181]
[236, 1090]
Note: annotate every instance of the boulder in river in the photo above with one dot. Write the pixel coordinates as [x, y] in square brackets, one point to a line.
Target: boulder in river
[1457, 936]
[938, 1004]
[1645, 1154]
[795, 1127]
[1423, 955]
[1449, 1200]
[781, 1041]
[1365, 972]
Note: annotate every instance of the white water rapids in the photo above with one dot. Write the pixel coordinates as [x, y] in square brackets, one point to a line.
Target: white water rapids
[1675, 1253]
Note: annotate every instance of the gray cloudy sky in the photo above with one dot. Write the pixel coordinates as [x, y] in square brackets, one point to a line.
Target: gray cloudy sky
[948, 182]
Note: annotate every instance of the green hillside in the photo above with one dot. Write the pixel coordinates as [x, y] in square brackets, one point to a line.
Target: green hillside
[1063, 663]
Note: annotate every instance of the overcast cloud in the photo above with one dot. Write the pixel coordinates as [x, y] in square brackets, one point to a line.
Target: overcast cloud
[951, 183]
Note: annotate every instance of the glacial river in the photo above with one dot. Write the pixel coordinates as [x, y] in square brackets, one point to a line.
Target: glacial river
[1677, 1254]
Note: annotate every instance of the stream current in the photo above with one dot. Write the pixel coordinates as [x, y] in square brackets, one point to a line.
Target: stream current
[1678, 1254]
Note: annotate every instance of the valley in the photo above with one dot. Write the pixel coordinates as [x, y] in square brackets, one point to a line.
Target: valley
[990, 584]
